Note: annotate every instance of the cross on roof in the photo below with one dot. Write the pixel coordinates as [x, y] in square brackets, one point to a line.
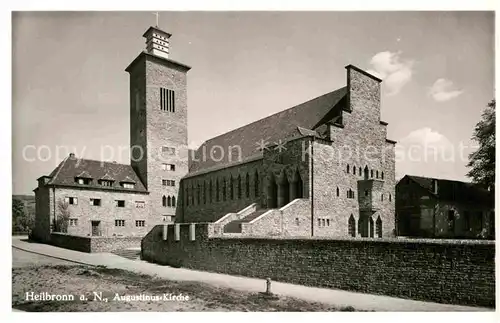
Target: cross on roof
[157, 17]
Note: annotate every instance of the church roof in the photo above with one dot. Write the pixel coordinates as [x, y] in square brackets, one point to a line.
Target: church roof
[71, 167]
[455, 191]
[283, 126]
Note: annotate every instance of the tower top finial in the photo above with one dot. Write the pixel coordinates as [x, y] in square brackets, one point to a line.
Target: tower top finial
[157, 18]
[157, 41]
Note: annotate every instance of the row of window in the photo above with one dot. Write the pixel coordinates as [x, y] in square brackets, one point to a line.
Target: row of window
[168, 167]
[168, 182]
[168, 201]
[118, 223]
[98, 202]
[102, 182]
[322, 222]
[366, 172]
[350, 194]
[234, 189]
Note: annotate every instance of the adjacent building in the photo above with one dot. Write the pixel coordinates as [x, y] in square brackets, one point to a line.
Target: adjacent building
[438, 208]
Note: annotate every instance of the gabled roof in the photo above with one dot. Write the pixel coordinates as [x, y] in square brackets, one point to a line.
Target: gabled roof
[71, 167]
[107, 177]
[455, 191]
[279, 126]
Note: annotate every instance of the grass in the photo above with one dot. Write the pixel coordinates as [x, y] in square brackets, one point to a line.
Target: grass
[84, 280]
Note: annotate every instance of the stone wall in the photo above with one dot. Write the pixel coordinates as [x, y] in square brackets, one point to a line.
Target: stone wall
[107, 212]
[447, 271]
[93, 244]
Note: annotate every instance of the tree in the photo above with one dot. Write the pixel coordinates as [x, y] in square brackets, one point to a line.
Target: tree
[18, 216]
[61, 222]
[482, 161]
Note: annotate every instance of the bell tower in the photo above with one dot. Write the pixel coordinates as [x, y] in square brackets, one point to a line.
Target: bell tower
[158, 123]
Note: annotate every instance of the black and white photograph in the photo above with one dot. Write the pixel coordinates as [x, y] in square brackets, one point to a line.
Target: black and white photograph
[252, 161]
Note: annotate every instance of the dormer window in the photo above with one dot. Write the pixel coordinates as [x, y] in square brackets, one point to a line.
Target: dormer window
[83, 181]
[104, 182]
[127, 182]
[128, 185]
[83, 178]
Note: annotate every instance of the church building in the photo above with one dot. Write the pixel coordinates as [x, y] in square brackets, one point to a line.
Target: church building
[322, 168]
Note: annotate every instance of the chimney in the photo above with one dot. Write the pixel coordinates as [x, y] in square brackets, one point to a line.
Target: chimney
[435, 186]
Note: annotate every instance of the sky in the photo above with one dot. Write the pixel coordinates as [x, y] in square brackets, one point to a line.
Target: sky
[70, 88]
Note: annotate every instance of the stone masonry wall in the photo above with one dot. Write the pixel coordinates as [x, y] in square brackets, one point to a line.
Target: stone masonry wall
[93, 244]
[107, 213]
[447, 271]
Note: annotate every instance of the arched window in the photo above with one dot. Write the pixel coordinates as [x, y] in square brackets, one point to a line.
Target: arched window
[231, 188]
[379, 227]
[382, 175]
[256, 184]
[217, 191]
[354, 170]
[366, 172]
[164, 201]
[390, 197]
[352, 226]
[371, 173]
[382, 197]
[210, 192]
[173, 200]
[247, 185]
[338, 191]
[204, 192]
[224, 189]
[169, 201]
[376, 174]
[347, 168]
[239, 187]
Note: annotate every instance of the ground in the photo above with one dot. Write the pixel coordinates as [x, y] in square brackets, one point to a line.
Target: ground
[38, 273]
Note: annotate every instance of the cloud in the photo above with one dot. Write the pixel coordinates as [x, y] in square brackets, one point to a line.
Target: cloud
[392, 69]
[426, 152]
[443, 90]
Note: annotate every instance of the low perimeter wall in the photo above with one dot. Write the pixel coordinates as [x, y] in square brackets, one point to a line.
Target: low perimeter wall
[93, 244]
[445, 271]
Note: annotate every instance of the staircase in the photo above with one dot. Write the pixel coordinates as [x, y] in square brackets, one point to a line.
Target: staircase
[132, 254]
[235, 226]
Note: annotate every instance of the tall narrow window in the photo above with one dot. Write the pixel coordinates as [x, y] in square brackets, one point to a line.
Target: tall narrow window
[239, 187]
[173, 200]
[167, 100]
[352, 226]
[164, 201]
[378, 227]
[256, 184]
[169, 201]
[347, 169]
[198, 192]
[247, 185]
[354, 170]
[224, 189]
[204, 192]
[371, 173]
[338, 191]
[210, 199]
[382, 175]
[231, 189]
[217, 191]
[376, 174]
[390, 197]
